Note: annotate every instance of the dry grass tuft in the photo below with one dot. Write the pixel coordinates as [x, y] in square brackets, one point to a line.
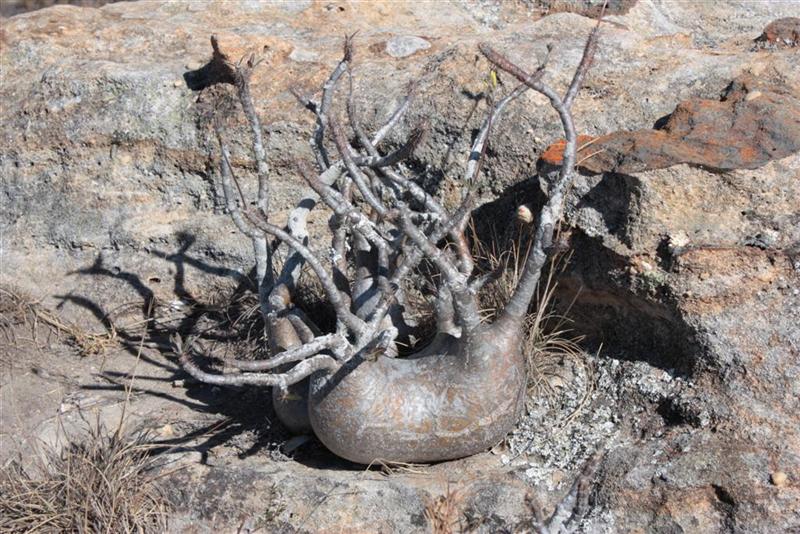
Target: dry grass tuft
[229, 325]
[443, 512]
[389, 467]
[20, 311]
[548, 341]
[102, 482]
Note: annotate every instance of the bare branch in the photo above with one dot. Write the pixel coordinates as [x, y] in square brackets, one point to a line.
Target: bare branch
[296, 374]
[445, 313]
[538, 521]
[479, 145]
[377, 161]
[296, 226]
[463, 300]
[474, 163]
[328, 89]
[333, 342]
[339, 241]
[572, 508]
[355, 173]
[335, 298]
[420, 195]
[304, 101]
[501, 62]
[352, 116]
[239, 75]
[379, 345]
[395, 117]
[383, 131]
[343, 208]
[589, 51]
[551, 213]
[246, 100]
[261, 248]
[428, 247]
[228, 183]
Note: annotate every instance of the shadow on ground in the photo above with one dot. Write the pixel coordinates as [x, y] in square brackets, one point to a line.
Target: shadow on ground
[243, 417]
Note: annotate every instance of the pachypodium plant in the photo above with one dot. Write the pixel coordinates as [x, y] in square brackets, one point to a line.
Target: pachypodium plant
[366, 401]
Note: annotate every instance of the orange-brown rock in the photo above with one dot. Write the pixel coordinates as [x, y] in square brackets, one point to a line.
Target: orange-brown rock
[554, 154]
[754, 122]
[783, 32]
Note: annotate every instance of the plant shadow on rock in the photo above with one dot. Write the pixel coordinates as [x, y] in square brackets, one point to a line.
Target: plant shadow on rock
[228, 323]
[601, 303]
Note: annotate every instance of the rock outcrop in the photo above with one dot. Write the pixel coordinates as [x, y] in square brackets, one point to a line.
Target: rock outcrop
[686, 240]
[781, 33]
[753, 123]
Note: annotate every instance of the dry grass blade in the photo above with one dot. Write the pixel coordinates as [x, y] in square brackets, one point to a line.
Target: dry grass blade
[443, 512]
[548, 341]
[388, 467]
[19, 309]
[100, 483]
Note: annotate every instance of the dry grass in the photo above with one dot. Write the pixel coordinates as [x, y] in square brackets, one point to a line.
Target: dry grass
[101, 482]
[549, 341]
[19, 312]
[389, 467]
[229, 325]
[96, 481]
[444, 512]
[227, 315]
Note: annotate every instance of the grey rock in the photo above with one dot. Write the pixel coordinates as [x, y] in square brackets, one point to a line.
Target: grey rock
[406, 45]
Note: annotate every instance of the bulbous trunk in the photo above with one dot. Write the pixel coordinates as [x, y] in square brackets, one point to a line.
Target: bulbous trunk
[455, 398]
[291, 407]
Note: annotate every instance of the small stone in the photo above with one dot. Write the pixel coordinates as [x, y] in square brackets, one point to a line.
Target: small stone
[524, 214]
[405, 45]
[779, 479]
[300, 55]
[679, 240]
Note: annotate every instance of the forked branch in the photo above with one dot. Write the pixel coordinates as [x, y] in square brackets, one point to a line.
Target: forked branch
[551, 213]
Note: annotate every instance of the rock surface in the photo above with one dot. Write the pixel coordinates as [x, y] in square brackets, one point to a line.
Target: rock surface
[753, 123]
[781, 33]
[15, 7]
[687, 239]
